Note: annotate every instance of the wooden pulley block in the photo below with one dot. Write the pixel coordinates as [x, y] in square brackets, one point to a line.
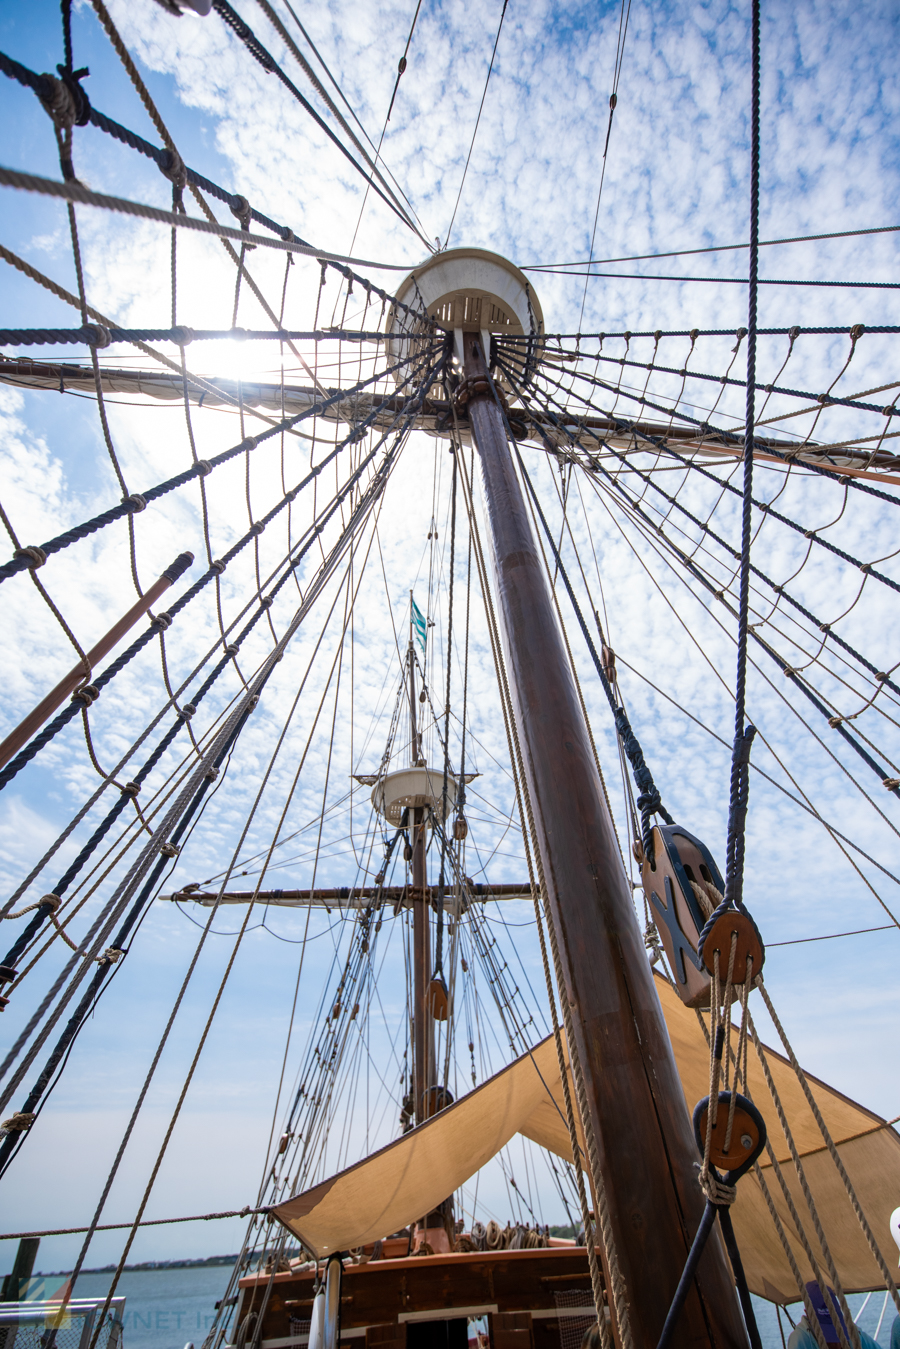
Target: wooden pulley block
[438, 1000]
[732, 926]
[748, 1134]
[678, 860]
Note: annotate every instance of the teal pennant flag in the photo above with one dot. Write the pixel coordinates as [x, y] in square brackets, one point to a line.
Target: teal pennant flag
[420, 625]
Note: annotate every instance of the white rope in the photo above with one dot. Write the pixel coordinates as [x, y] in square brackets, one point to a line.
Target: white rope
[829, 1143]
[76, 192]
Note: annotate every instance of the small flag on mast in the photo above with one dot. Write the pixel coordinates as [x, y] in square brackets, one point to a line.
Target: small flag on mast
[419, 624]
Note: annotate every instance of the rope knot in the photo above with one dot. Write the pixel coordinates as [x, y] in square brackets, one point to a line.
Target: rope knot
[96, 335]
[241, 208]
[87, 694]
[110, 956]
[161, 621]
[891, 783]
[50, 902]
[183, 336]
[715, 1189]
[136, 502]
[131, 789]
[172, 166]
[218, 567]
[169, 850]
[64, 99]
[18, 1123]
[187, 711]
[36, 556]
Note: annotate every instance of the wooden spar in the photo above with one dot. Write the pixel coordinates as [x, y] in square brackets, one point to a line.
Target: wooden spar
[423, 1051]
[47, 706]
[634, 1097]
[352, 897]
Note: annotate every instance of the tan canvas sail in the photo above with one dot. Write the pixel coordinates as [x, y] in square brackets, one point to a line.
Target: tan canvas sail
[404, 1180]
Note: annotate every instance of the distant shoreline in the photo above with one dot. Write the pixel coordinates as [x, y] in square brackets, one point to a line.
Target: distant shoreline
[211, 1261]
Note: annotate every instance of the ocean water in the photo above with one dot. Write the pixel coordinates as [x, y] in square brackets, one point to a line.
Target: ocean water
[170, 1308]
[164, 1308]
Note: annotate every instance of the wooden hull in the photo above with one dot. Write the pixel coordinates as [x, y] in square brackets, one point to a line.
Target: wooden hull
[528, 1296]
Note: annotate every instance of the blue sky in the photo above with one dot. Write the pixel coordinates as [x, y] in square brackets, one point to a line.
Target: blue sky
[676, 177]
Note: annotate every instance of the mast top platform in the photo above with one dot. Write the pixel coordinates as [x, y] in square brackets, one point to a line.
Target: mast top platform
[466, 290]
[408, 788]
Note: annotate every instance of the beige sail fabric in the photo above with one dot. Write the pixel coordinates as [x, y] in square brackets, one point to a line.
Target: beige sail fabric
[869, 1149]
[405, 1180]
[409, 1177]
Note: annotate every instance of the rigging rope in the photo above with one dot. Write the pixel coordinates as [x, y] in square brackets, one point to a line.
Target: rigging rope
[462, 184]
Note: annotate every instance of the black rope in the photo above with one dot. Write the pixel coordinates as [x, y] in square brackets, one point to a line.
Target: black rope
[649, 801]
[270, 65]
[722, 280]
[106, 964]
[824, 400]
[477, 123]
[265, 603]
[782, 664]
[825, 628]
[92, 335]
[700, 332]
[12, 1141]
[216, 569]
[201, 468]
[663, 446]
[162, 158]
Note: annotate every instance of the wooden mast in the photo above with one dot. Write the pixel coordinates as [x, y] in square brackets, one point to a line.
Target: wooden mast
[634, 1097]
[423, 1034]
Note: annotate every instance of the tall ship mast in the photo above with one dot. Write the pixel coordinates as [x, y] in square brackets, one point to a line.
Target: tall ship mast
[404, 710]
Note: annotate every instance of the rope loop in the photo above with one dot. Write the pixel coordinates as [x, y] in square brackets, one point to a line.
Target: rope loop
[36, 556]
[18, 1123]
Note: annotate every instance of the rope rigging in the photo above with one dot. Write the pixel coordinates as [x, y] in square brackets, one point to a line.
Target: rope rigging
[217, 800]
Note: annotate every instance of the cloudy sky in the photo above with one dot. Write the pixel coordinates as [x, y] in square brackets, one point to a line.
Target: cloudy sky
[676, 178]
